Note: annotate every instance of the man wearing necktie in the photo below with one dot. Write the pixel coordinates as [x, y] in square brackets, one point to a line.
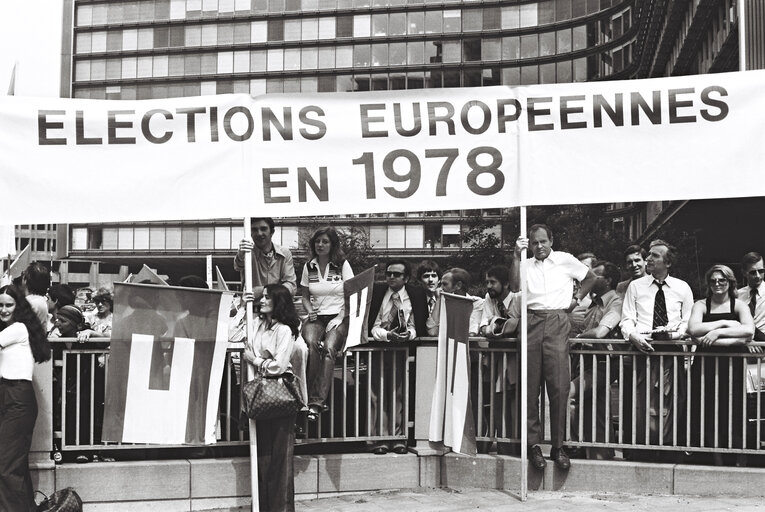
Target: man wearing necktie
[429, 276]
[600, 321]
[753, 294]
[397, 314]
[655, 312]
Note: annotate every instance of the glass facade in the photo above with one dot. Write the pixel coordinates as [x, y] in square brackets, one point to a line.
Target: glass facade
[168, 48]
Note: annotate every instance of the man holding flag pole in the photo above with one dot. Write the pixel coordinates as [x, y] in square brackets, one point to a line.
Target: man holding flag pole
[549, 279]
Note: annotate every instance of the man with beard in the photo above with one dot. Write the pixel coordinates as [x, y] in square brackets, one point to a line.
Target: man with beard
[500, 319]
[634, 261]
[501, 307]
[550, 279]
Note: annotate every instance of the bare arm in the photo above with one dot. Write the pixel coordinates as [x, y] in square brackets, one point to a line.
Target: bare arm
[515, 266]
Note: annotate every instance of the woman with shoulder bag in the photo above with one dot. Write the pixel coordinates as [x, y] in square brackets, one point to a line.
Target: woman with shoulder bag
[269, 352]
[22, 343]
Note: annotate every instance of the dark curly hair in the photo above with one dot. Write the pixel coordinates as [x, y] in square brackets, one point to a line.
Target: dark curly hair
[38, 340]
[284, 309]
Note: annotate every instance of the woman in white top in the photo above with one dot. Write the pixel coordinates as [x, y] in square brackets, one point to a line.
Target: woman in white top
[323, 298]
[270, 352]
[22, 343]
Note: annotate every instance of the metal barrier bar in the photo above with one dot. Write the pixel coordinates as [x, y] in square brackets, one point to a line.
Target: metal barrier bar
[615, 378]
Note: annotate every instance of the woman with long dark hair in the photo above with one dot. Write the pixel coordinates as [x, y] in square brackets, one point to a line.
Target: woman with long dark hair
[22, 344]
[719, 324]
[269, 352]
[324, 300]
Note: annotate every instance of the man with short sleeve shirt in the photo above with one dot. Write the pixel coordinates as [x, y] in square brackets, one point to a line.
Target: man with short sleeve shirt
[550, 279]
[656, 309]
[271, 263]
[753, 294]
[600, 321]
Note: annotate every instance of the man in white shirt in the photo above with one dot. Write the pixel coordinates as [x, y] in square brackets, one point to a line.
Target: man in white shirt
[753, 294]
[656, 309]
[501, 308]
[500, 319]
[550, 279]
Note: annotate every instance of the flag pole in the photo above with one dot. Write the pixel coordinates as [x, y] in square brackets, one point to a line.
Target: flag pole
[251, 371]
[741, 8]
[524, 371]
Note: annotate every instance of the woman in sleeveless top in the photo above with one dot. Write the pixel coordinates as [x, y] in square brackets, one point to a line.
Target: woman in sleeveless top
[719, 324]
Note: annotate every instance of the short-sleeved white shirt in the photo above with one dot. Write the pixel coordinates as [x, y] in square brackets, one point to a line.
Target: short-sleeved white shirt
[326, 289]
[551, 281]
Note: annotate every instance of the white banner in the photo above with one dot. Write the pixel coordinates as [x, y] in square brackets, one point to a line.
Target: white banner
[316, 154]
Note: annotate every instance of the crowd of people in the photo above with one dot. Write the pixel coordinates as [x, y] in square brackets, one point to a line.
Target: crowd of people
[568, 299]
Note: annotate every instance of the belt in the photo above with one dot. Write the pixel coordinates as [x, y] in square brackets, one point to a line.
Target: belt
[547, 311]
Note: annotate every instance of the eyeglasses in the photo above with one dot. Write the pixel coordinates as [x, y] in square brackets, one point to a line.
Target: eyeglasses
[389, 273]
[718, 281]
[756, 271]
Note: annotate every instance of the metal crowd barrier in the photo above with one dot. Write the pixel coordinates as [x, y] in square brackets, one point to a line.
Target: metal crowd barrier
[368, 398]
[703, 402]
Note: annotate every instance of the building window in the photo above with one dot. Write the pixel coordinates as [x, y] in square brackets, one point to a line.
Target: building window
[157, 238]
[206, 238]
[110, 239]
[451, 235]
[141, 239]
[173, 238]
[79, 239]
[189, 238]
[125, 239]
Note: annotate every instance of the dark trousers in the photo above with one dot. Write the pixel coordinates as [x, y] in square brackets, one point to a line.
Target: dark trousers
[583, 392]
[18, 412]
[276, 479]
[650, 405]
[321, 358]
[386, 391]
[548, 360]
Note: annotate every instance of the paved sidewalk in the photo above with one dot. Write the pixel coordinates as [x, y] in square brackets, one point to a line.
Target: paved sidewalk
[432, 499]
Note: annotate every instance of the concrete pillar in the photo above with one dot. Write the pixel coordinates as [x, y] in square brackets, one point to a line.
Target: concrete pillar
[43, 469]
[425, 379]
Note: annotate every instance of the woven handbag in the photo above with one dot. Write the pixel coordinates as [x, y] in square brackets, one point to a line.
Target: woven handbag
[267, 397]
[63, 500]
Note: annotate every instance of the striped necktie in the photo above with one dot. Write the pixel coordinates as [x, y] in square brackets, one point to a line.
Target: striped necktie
[660, 307]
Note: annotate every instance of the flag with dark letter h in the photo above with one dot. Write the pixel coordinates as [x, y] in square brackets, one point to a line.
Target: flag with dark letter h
[358, 297]
[451, 414]
[166, 360]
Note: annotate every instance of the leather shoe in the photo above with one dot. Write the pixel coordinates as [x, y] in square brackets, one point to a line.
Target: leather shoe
[400, 448]
[561, 458]
[536, 458]
[379, 449]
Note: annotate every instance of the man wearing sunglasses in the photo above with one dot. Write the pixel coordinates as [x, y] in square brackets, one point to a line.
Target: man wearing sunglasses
[753, 294]
[397, 314]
